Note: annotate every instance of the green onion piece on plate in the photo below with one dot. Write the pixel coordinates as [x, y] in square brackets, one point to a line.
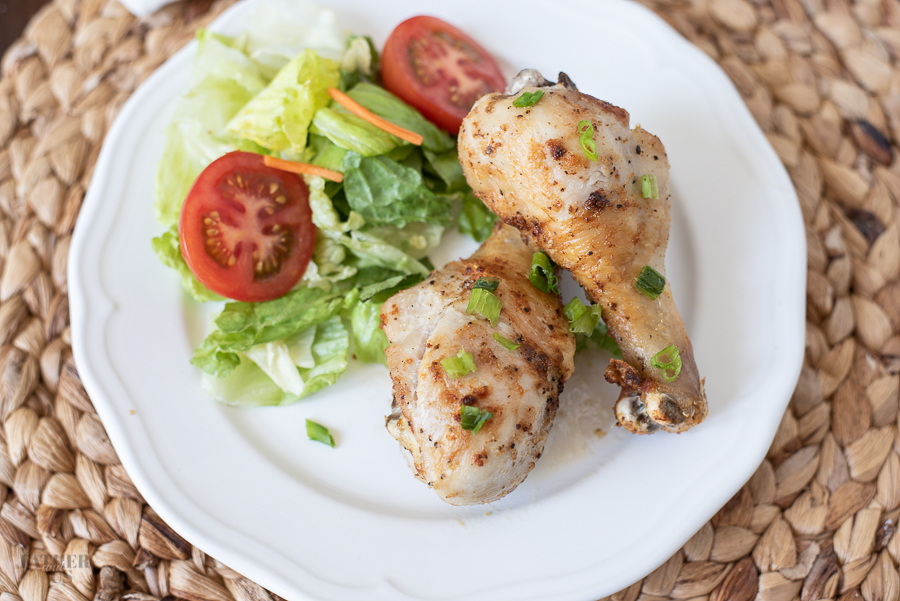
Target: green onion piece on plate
[489, 284]
[528, 99]
[582, 319]
[506, 342]
[484, 303]
[673, 363]
[319, 433]
[456, 367]
[542, 275]
[472, 418]
[650, 282]
[649, 189]
[586, 138]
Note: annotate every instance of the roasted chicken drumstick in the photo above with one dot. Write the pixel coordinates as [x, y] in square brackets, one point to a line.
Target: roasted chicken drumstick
[517, 377]
[570, 174]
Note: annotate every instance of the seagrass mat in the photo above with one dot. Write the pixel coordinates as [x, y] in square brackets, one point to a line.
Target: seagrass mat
[816, 521]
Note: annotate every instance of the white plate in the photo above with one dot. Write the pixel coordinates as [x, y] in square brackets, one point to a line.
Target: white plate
[352, 523]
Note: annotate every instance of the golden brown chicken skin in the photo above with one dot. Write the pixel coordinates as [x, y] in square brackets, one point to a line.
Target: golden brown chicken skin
[428, 323]
[528, 166]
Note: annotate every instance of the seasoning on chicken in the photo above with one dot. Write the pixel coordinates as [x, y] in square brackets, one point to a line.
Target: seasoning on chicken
[473, 403]
[570, 174]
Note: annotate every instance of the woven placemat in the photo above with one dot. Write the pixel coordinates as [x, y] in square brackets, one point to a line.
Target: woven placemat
[816, 521]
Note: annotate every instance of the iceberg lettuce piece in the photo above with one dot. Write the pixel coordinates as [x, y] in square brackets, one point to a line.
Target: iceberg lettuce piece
[278, 118]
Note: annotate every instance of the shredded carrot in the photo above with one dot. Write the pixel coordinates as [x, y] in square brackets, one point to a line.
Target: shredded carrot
[364, 113]
[302, 168]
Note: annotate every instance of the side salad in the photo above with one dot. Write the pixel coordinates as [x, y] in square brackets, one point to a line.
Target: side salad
[306, 178]
[264, 94]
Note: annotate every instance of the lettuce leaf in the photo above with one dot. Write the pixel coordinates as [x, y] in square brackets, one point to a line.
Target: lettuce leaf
[389, 107]
[385, 192]
[168, 250]
[329, 350]
[415, 239]
[369, 340]
[279, 30]
[279, 116]
[244, 325]
[282, 372]
[353, 133]
[327, 154]
[372, 251]
[599, 338]
[475, 219]
[324, 215]
[224, 80]
[446, 166]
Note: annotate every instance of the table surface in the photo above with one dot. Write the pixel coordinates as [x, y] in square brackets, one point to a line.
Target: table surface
[14, 14]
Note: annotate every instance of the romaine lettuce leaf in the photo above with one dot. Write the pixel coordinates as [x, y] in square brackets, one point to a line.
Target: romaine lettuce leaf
[274, 358]
[224, 80]
[243, 325]
[168, 250]
[372, 251]
[389, 107]
[353, 133]
[475, 219]
[279, 30]
[324, 215]
[415, 239]
[327, 154]
[385, 192]
[599, 338]
[369, 340]
[278, 118]
[330, 353]
[446, 166]
[360, 60]
[284, 371]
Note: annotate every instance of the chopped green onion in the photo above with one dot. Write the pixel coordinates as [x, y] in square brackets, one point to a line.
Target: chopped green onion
[506, 342]
[542, 275]
[586, 138]
[319, 433]
[582, 320]
[489, 284]
[649, 188]
[674, 363]
[650, 282]
[472, 418]
[485, 304]
[528, 99]
[456, 367]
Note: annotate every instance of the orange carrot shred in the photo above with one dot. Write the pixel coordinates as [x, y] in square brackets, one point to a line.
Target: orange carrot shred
[302, 168]
[364, 113]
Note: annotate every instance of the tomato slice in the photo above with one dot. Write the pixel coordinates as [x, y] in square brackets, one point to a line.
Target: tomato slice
[438, 69]
[246, 229]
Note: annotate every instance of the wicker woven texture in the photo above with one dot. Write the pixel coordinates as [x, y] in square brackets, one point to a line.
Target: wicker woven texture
[816, 521]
